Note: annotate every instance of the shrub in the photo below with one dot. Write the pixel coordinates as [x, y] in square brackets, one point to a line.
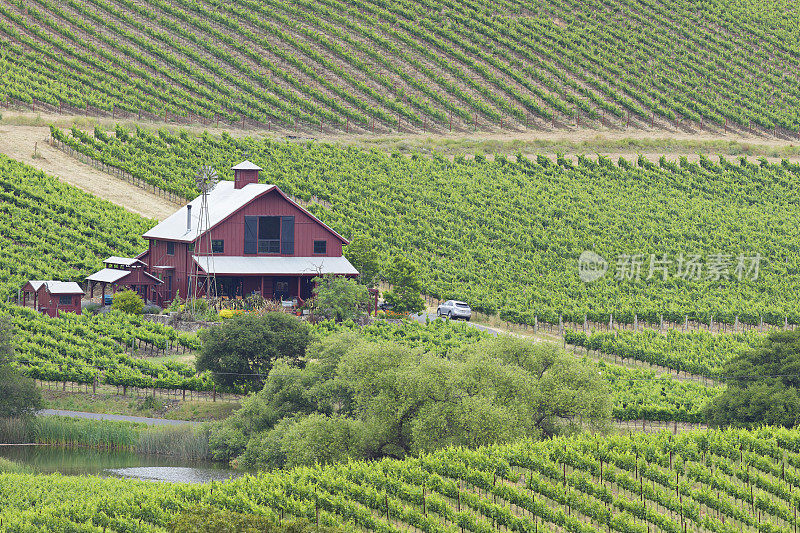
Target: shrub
[151, 310]
[92, 309]
[128, 302]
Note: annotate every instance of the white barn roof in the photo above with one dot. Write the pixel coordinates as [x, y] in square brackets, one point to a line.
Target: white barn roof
[124, 261]
[243, 265]
[108, 275]
[36, 283]
[63, 287]
[223, 201]
[246, 165]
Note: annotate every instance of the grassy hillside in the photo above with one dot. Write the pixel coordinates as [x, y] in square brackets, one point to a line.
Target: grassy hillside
[507, 235]
[723, 482]
[366, 65]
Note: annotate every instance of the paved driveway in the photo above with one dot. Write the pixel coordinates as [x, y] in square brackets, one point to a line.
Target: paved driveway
[103, 416]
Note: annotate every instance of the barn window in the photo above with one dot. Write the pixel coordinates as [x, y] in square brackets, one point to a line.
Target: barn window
[320, 247]
[170, 248]
[268, 235]
[65, 299]
[217, 246]
[191, 247]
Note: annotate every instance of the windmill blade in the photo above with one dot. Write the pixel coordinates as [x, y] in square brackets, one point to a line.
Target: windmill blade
[206, 178]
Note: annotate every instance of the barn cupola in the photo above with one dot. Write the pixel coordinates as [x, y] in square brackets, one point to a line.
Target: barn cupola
[245, 173]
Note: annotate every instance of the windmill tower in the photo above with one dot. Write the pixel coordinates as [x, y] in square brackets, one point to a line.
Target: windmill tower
[205, 179]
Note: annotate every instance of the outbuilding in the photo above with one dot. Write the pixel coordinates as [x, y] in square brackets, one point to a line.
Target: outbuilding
[53, 297]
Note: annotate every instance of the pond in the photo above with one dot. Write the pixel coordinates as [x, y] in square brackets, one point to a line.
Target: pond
[88, 461]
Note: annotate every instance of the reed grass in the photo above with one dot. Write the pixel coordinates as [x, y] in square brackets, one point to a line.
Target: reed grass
[14, 431]
[185, 442]
[65, 431]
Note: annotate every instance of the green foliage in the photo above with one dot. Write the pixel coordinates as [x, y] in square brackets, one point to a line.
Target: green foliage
[129, 302]
[6, 339]
[364, 253]
[339, 298]
[697, 352]
[459, 64]
[207, 519]
[211, 519]
[240, 350]
[698, 480]
[19, 397]
[360, 399]
[507, 235]
[406, 286]
[7, 466]
[763, 385]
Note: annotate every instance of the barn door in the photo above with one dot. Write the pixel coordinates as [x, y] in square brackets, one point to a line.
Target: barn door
[287, 235]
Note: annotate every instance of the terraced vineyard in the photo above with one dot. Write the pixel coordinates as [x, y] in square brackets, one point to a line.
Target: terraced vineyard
[506, 236]
[699, 481]
[433, 65]
[49, 230]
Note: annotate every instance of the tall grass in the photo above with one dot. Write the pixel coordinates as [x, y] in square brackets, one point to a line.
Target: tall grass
[183, 441]
[186, 442]
[78, 432]
[14, 431]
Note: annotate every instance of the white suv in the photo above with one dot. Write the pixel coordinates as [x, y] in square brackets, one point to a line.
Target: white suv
[454, 309]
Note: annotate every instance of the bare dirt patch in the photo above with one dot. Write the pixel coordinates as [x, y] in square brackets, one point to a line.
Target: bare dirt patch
[20, 143]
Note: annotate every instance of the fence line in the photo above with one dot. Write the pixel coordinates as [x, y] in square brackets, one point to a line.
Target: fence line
[139, 392]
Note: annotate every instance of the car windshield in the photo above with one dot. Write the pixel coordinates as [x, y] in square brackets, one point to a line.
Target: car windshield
[461, 304]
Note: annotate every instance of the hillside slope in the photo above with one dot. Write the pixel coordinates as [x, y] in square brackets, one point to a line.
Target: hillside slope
[507, 236]
[725, 482]
[432, 65]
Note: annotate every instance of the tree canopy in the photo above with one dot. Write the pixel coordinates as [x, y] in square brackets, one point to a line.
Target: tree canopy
[364, 254]
[240, 349]
[406, 286]
[361, 400]
[129, 302]
[763, 385]
[20, 396]
[339, 298]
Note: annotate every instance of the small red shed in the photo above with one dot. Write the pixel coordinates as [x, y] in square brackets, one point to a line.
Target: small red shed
[52, 297]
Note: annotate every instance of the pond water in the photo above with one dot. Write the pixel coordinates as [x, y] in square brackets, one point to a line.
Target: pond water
[87, 461]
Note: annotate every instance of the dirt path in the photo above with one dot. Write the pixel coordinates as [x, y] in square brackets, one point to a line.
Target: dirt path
[18, 143]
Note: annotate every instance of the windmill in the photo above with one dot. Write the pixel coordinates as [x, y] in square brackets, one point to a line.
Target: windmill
[205, 180]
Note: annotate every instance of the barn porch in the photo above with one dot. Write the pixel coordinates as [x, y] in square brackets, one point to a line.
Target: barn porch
[270, 287]
[272, 277]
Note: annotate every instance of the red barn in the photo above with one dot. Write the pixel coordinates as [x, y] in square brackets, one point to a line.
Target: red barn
[257, 241]
[52, 297]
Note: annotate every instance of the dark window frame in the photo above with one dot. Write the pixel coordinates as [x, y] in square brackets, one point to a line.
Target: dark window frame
[324, 249]
[218, 246]
[269, 234]
[63, 297]
[170, 248]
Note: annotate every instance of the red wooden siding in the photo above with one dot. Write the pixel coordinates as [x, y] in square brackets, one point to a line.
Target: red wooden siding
[231, 231]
